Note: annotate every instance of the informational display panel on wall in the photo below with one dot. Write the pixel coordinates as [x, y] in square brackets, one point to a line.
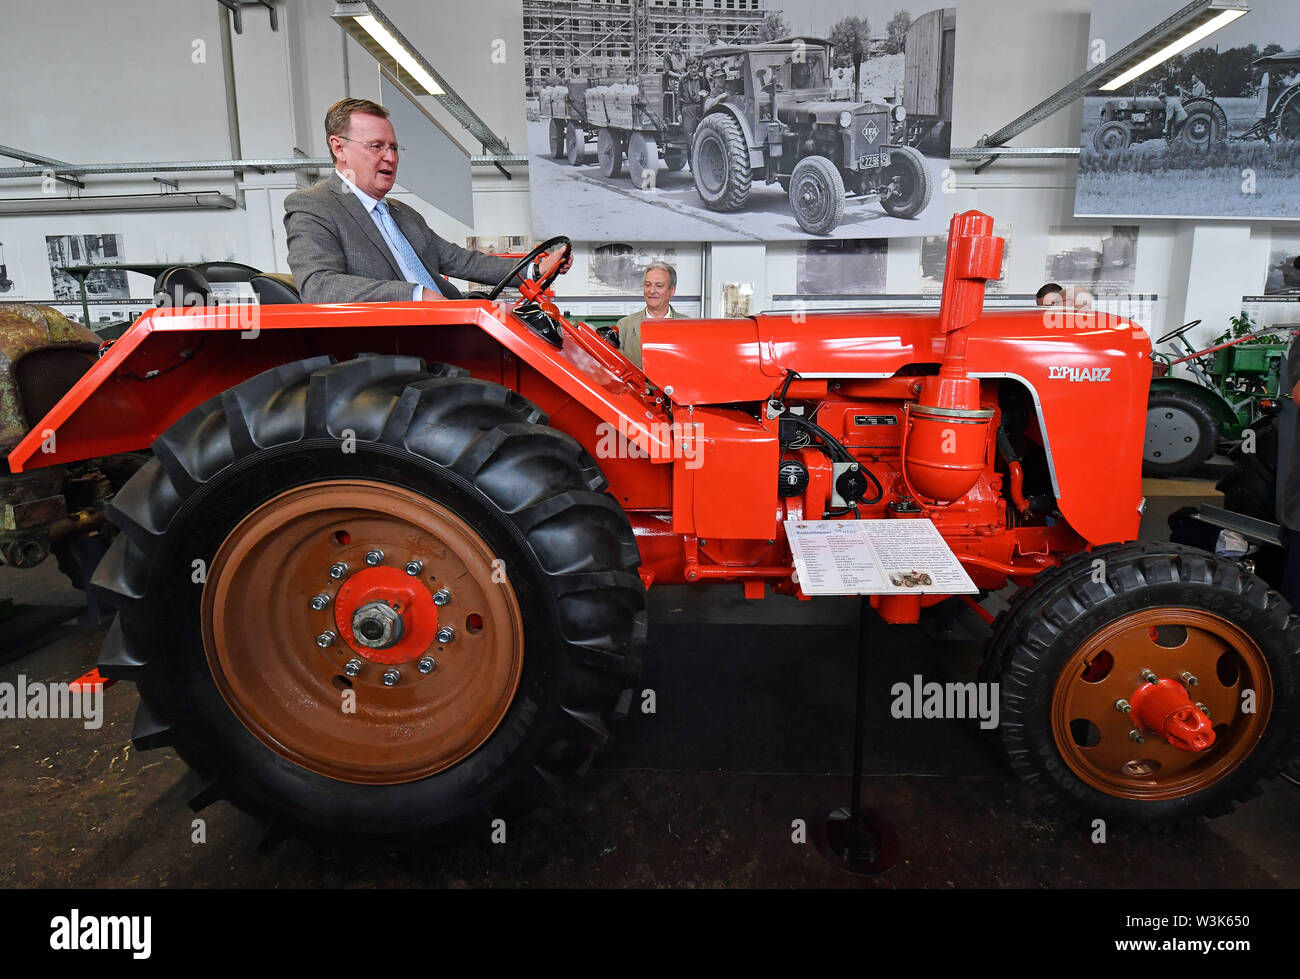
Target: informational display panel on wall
[1210, 133]
[746, 122]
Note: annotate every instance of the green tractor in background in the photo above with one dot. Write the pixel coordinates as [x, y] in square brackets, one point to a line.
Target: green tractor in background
[1234, 384]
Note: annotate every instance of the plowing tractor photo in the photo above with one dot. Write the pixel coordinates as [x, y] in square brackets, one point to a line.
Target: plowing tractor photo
[386, 569]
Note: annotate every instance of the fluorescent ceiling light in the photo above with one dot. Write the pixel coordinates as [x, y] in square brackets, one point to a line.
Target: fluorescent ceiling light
[399, 53]
[1224, 18]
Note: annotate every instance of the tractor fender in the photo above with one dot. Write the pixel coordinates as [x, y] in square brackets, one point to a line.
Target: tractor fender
[172, 360]
[1216, 402]
[756, 160]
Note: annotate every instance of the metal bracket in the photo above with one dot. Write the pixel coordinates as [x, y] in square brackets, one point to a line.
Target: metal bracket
[237, 18]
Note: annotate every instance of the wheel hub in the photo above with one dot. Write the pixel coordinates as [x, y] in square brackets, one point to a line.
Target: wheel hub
[377, 625]
[1165, 708]
[1171, 435]
[386, 615]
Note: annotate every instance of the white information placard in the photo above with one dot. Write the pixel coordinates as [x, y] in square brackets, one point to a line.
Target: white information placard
[875, 557]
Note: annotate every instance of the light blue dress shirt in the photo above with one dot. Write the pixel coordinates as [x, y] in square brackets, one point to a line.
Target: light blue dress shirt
[370, 203]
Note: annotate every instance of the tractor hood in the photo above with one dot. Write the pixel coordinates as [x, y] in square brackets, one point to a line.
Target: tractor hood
[823, 111]
[1087, 374]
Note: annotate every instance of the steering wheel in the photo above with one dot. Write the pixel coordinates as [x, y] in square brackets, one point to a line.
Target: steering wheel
[542, 284]
[1172, 334]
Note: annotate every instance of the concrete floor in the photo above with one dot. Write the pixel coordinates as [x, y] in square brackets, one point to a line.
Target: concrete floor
[752, 732]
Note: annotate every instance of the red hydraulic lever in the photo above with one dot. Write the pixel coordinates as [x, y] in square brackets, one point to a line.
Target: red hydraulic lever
[1165, 708]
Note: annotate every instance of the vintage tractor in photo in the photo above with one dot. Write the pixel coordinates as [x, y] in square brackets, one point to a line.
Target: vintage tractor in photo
[1126, 121]
[1234, 384]
[755, 113]
[768, 115]
[387, 567]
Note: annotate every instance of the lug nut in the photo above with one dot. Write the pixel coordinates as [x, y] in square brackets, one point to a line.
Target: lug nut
[352, 667]
[414, 567]
[374, 557]
[338, 570]
[391, 677]
[441, 596]
[325, 639]
[1150, 677]
[426, 664]
[320, 601]
[1203, 709]
[1136, 736]
[1188, 678]
[446, 634]
[1123, 705]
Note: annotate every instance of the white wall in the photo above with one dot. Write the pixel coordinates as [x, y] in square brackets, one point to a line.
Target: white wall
[126, 86]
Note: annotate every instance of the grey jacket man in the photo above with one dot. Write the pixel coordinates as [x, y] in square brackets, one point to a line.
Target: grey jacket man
[629, 333]
[337, 254]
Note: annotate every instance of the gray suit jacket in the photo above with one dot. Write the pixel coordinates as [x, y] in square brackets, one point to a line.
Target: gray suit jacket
[338, 255]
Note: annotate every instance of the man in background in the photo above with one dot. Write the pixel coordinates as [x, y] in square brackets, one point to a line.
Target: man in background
[658, 287]
[1175, 115]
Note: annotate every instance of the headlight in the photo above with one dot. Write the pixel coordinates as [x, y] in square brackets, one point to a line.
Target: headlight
[846, 119]
[899, 113]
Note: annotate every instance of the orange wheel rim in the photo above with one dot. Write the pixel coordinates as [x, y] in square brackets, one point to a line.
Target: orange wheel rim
[323, 702]
[1093, 735]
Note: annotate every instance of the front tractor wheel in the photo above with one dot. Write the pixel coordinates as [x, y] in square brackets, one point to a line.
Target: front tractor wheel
[720, 163]
[817, 195]
[373, 598]
[1111, 137]
[909, 181]
[1146, 684]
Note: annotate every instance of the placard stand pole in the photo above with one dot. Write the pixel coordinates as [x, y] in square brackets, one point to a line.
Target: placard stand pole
[858, 839]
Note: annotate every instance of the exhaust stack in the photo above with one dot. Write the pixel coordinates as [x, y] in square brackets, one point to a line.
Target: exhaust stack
[946, 432]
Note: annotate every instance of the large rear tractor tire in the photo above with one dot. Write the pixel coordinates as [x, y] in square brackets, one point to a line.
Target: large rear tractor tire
[1070, 654]
[909, 171]
[1181, 433]
[1206, 125]
[373, 597]
[720, 163]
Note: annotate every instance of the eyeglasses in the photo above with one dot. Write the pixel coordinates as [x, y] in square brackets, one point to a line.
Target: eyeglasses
[374, 146]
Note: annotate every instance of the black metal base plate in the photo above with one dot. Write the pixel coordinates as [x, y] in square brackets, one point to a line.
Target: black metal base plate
[872, 850]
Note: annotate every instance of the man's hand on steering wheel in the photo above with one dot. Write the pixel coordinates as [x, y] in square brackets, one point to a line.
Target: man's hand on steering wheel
[545, 268]
[555, 264]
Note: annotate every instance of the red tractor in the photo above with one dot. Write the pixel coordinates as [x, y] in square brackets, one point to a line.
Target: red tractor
[387, 567]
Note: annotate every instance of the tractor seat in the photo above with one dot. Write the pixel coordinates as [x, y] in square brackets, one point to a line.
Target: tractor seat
[182, 287]
[274, 290]
[227, 271]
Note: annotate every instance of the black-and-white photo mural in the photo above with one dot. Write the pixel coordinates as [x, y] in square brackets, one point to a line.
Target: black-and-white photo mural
[1283, 277]
[738, 120]
[1212, 132]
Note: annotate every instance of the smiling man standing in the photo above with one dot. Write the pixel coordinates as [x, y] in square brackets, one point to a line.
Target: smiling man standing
[658, 287]
[347, 243]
